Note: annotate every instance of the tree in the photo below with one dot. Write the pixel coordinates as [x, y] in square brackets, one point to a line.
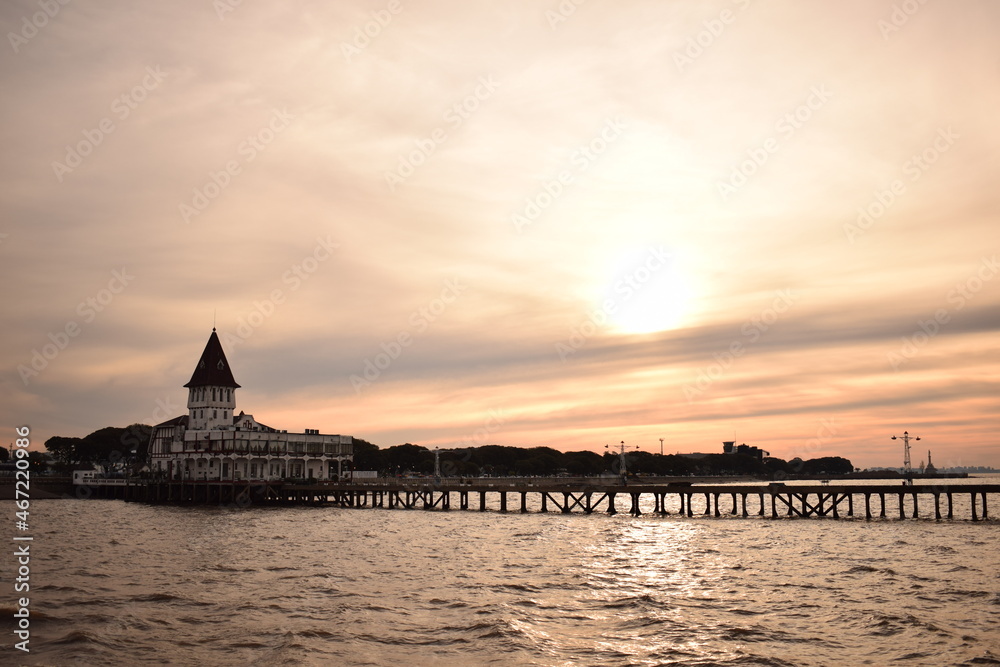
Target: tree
[108, 446]
[38, 461]
[63, 449]
[134, 440]
[367, 456]
[828, 465]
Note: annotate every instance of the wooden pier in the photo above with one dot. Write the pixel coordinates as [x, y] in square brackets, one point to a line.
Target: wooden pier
[714, 500]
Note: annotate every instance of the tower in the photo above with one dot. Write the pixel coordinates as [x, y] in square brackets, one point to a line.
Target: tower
[211, 389]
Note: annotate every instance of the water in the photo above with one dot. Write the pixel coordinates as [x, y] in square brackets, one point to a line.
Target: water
[124, 584]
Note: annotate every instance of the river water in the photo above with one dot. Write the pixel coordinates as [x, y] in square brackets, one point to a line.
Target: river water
[116, 583]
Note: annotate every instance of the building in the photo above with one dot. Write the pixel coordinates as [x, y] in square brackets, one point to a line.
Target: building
[212, 442]
[730, 447]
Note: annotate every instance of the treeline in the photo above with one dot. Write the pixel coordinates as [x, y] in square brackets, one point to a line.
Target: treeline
[116, 447]
[501, 461]
[110, 447]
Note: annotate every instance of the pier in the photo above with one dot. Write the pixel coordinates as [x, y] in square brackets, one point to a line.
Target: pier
[550, 495]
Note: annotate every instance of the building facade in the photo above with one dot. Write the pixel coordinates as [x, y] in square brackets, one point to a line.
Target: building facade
[212, 442]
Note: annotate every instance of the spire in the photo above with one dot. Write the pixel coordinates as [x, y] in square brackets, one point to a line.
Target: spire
[213, 367]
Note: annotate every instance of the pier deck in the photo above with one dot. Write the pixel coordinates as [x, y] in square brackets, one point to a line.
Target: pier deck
[742, 500]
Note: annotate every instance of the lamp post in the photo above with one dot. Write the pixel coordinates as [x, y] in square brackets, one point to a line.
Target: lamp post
[661, 446]
[621, 461]
[907, 469]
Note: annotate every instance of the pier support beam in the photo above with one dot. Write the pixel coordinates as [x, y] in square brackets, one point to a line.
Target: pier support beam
[635, 511]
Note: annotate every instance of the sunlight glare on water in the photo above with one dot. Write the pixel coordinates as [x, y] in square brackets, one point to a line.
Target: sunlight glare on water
[320, 585]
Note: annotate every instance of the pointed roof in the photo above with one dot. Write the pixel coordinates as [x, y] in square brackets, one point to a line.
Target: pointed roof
[213, 367]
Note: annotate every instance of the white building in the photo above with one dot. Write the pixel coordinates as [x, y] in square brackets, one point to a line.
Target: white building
[211, 442]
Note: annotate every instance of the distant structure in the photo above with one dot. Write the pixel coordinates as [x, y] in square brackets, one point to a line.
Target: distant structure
[929, 469]
[907, 468]
[730, 447]
[211, 442]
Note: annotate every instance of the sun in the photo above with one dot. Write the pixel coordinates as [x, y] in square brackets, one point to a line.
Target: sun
[649, 293]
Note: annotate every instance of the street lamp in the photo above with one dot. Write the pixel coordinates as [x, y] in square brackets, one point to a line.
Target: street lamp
[908, 471]
[621, 461]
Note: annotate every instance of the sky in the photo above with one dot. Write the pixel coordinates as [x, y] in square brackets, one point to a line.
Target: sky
[564, 224]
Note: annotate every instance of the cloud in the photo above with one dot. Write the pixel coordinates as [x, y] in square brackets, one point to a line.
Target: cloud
[478, 110]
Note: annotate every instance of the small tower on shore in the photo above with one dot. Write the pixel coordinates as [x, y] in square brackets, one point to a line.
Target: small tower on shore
[211, 389]
[929, 469]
